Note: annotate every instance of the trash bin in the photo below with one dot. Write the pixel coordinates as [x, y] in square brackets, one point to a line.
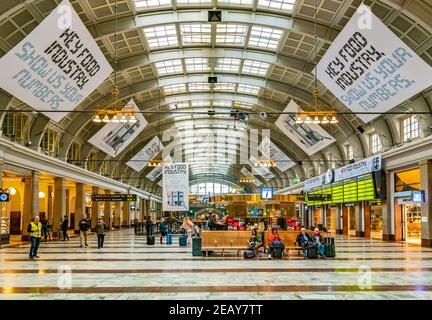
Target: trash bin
[196, 246]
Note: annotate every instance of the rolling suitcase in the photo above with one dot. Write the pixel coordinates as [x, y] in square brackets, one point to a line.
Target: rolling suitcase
[330, 251]
[183, 240]
[150, 240]
[312, 252]
[169, 238]
[277, 253]
[196, 246]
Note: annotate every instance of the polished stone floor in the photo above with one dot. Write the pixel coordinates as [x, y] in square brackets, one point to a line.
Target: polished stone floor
[129, 269]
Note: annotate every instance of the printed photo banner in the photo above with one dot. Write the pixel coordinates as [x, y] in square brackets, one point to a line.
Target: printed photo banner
[141, 159]
[271, 151]
[113, 138]
[370, 69]
[56, 66]
[309, 137]
[175, 187]
[247, 173]
[157, 171]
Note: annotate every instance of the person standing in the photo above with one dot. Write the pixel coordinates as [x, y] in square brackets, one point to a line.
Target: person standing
[100, 232]
[65, 227]
[149, 226]
[44, 222]
[188, 226]
[163, 227]
[35, 232]
[84, 226]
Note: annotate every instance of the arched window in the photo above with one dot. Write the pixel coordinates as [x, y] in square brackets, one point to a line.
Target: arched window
[211, 188]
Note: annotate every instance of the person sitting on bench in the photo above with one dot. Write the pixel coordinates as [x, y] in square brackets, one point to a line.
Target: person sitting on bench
[274, 239]
[303, 240]
[317, 239]
[255, 242]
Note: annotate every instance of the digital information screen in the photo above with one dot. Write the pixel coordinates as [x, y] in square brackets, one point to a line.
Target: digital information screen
[361, 188]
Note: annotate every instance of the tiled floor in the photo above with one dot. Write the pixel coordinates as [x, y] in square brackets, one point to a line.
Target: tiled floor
[129, 269]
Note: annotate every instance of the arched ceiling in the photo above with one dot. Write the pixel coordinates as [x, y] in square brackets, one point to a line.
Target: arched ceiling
[262, 53]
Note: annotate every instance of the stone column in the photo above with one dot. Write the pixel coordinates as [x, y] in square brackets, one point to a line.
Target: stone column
[386, 206]
[117, 214]
[50, 205]
[426, 208]
[94, 209]
[79, 204]
[59, 206]
[323, 217]
[107, 212]
[31, 203]
[367, 220]
[345, 220]
[358, 219]
[339, 225]
[124, 215]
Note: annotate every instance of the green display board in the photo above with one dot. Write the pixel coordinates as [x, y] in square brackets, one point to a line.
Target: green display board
[362, 188]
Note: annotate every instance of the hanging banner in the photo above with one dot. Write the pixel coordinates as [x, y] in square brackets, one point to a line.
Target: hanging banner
[56, 66]
[141, 159]
[370, 69]
[157, 171]
[113, 138]
[247, 173]
[260, 171]
[175, 187]
[271, 151]
[309, 137]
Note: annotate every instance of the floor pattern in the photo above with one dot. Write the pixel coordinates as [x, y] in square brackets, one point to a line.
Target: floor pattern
[127, 268]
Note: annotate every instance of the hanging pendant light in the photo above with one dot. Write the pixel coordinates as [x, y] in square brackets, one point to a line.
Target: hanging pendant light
[115, 119]
[308, 120]
[316, 120]
[334, 120]
[106, 119]
[325, 120]
[97, 119]
[133, 119]
[299, 120]
[123, 119]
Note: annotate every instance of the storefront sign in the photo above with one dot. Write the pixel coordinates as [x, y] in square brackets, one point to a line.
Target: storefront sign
[417, 196]
[113, 138]
[175, 187]
[141, 159]
[266, 193]
[370, 69]
[271, 151]
[114, 197]
[311, 138]
[56, 66]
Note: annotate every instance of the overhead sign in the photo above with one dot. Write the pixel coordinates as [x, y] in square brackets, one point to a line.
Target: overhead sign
[141, 159]
[114, 197]
[266, 193]
[271, 151]
[350, 171]
[370, 69]
[113, 138]
[56, 66]
[309, 137]
[175, 187]
[319, 197]
[4, 197]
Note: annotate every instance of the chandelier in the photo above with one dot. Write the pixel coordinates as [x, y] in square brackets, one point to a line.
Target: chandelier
[265, 163]
[246, 179]
[116, 111]
[156, 163]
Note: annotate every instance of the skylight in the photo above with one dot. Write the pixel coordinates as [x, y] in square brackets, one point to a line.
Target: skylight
[240, 2]
[222, 103]
[242, 105]
[264, 37]
[199, 87]
[197, 64]
[200, 103]
[231, 34]
[179, 105]
[248, 89]
[277, 4]
[142, 4]
[224, 87]
[161, 36]
[174, 89]
[169, 66]
[255, 67]
[228, 65]
[193, 1]
[195, 33]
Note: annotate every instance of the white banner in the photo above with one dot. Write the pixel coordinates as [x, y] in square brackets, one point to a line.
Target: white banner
[56, 66]
[247, 173]
[141, 159]
[271, 151]
[113, 138]
[309, 137]
[175, 187]
[370, 69]
[157, 171]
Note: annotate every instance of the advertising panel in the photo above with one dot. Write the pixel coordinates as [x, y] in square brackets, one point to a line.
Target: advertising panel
[175, 187]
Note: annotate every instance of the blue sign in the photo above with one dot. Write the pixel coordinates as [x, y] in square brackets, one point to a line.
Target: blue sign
[266, 193]
[4, 197]
[417, 196]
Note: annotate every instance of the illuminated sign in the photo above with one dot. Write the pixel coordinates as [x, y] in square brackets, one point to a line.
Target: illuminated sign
[4, 197]
[266, 193]
[417, 196]
[114, 197]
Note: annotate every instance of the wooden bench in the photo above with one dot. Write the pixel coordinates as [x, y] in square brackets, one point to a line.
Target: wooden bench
[224, 240]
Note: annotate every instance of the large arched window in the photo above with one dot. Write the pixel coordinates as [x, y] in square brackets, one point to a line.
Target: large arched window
[211, 188]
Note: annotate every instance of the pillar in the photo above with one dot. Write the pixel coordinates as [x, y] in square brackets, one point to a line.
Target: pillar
[311, 216]
[117, 214]
[50, 205]
[358, 208]
[345, 220]
[323, 211]
[124, 214]
[59, 206]
[107, 212]
[79, 204]
[386, 207]
[367, 220]
[94, 209]
[426, 208]
[31, 202]
[339, 224]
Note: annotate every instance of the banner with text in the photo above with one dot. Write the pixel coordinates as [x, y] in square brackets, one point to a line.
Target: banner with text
[370, 69]
[309, 137]
[175, 187]
[56, 66]
[141, 159]
[113, 138]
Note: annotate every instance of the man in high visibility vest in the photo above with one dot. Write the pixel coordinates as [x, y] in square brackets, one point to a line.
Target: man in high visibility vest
[35, 232]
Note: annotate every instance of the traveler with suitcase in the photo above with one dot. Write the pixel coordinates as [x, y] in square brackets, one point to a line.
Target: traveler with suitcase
[163, 228]
[188, 226]
[303, 240]
[318, 242]
[149, 230]
[276, 245]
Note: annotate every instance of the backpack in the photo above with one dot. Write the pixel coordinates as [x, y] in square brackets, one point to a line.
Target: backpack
[249, 254]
